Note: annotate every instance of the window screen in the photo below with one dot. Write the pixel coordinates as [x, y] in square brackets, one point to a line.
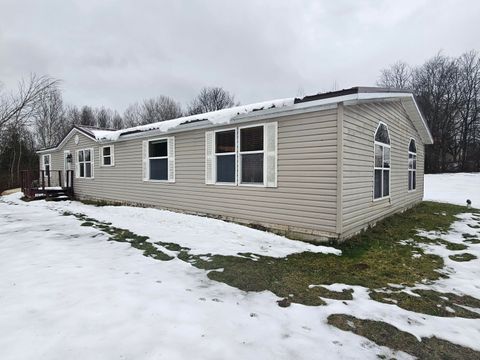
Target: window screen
[226, 156]
[225, 141]
[158, 159]
[159, 169]
[251, 139]
[157, 148]
[252, 168]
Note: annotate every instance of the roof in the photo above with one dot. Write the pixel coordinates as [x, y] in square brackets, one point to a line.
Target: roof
[218, 117]
[89, 131]
[267, 108]
[350, 91]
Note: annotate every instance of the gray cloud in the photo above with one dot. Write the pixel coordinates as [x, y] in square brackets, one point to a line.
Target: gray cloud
[116, 52]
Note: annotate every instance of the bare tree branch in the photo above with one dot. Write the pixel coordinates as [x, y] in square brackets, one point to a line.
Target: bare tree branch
[18, 107]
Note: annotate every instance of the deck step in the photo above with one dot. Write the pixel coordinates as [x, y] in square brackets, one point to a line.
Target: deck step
[59, 198]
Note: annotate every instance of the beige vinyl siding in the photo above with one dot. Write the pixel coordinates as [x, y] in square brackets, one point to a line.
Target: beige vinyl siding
[360, 123]
[304, 200]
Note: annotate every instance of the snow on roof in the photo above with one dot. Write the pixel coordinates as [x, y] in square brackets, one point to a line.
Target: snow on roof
[93, 131]
[219, 117]
[225, 116]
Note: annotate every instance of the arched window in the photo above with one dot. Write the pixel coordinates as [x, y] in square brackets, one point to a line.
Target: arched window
[412, 165]
[381, 184]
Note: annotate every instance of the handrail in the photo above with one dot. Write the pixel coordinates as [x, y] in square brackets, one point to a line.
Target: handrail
[35, 181]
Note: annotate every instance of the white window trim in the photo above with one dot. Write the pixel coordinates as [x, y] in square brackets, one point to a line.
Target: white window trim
[155, 158]
[214, 170]
[47, 174]
[92, 162]
[112, 156]
[240, 153]
[412, 170]
[388, 197]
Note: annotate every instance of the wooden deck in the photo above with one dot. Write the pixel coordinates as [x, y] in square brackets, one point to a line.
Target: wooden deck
[47, 184]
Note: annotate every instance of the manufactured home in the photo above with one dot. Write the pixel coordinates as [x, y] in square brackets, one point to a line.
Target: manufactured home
[320, 167]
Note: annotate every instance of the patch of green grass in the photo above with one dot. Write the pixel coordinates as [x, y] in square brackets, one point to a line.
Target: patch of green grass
[430, 302]
[384, 334]
[462, 257]
[449, 245]
[472, 239]
[454, 246]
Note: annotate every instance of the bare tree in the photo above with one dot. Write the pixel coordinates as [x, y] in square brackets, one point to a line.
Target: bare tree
[18, 107]
[398, 76]
[211, 99]
[159, 109]
[104, 117]
[117, 121]
[17, 151]
[49, 119]
[436, 88]
[87, 116]
[73, 115]
[132, 115]
[152, 110]
[469, 109]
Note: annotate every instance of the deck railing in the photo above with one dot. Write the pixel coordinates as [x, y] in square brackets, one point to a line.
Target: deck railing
[43, 181]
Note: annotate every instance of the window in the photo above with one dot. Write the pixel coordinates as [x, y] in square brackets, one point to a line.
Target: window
[251, 155]
[47, 164]
[381, 185]
[85, 163]
[242, 156]
[158, 159]
[226, 156]
[107, 156]
[412, 165]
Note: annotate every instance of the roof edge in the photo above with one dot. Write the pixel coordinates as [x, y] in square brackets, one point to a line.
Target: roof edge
[67, 137]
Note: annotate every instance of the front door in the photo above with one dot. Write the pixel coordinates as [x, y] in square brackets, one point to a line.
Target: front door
[67, 165]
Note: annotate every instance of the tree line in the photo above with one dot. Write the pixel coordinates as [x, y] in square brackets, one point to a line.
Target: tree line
[447, 90]
[34, 116]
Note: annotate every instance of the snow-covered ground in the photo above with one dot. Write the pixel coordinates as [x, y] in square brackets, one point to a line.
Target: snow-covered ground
[68, 293]
[453, 188]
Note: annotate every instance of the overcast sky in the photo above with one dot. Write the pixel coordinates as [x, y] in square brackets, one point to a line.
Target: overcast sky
[113, 53]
